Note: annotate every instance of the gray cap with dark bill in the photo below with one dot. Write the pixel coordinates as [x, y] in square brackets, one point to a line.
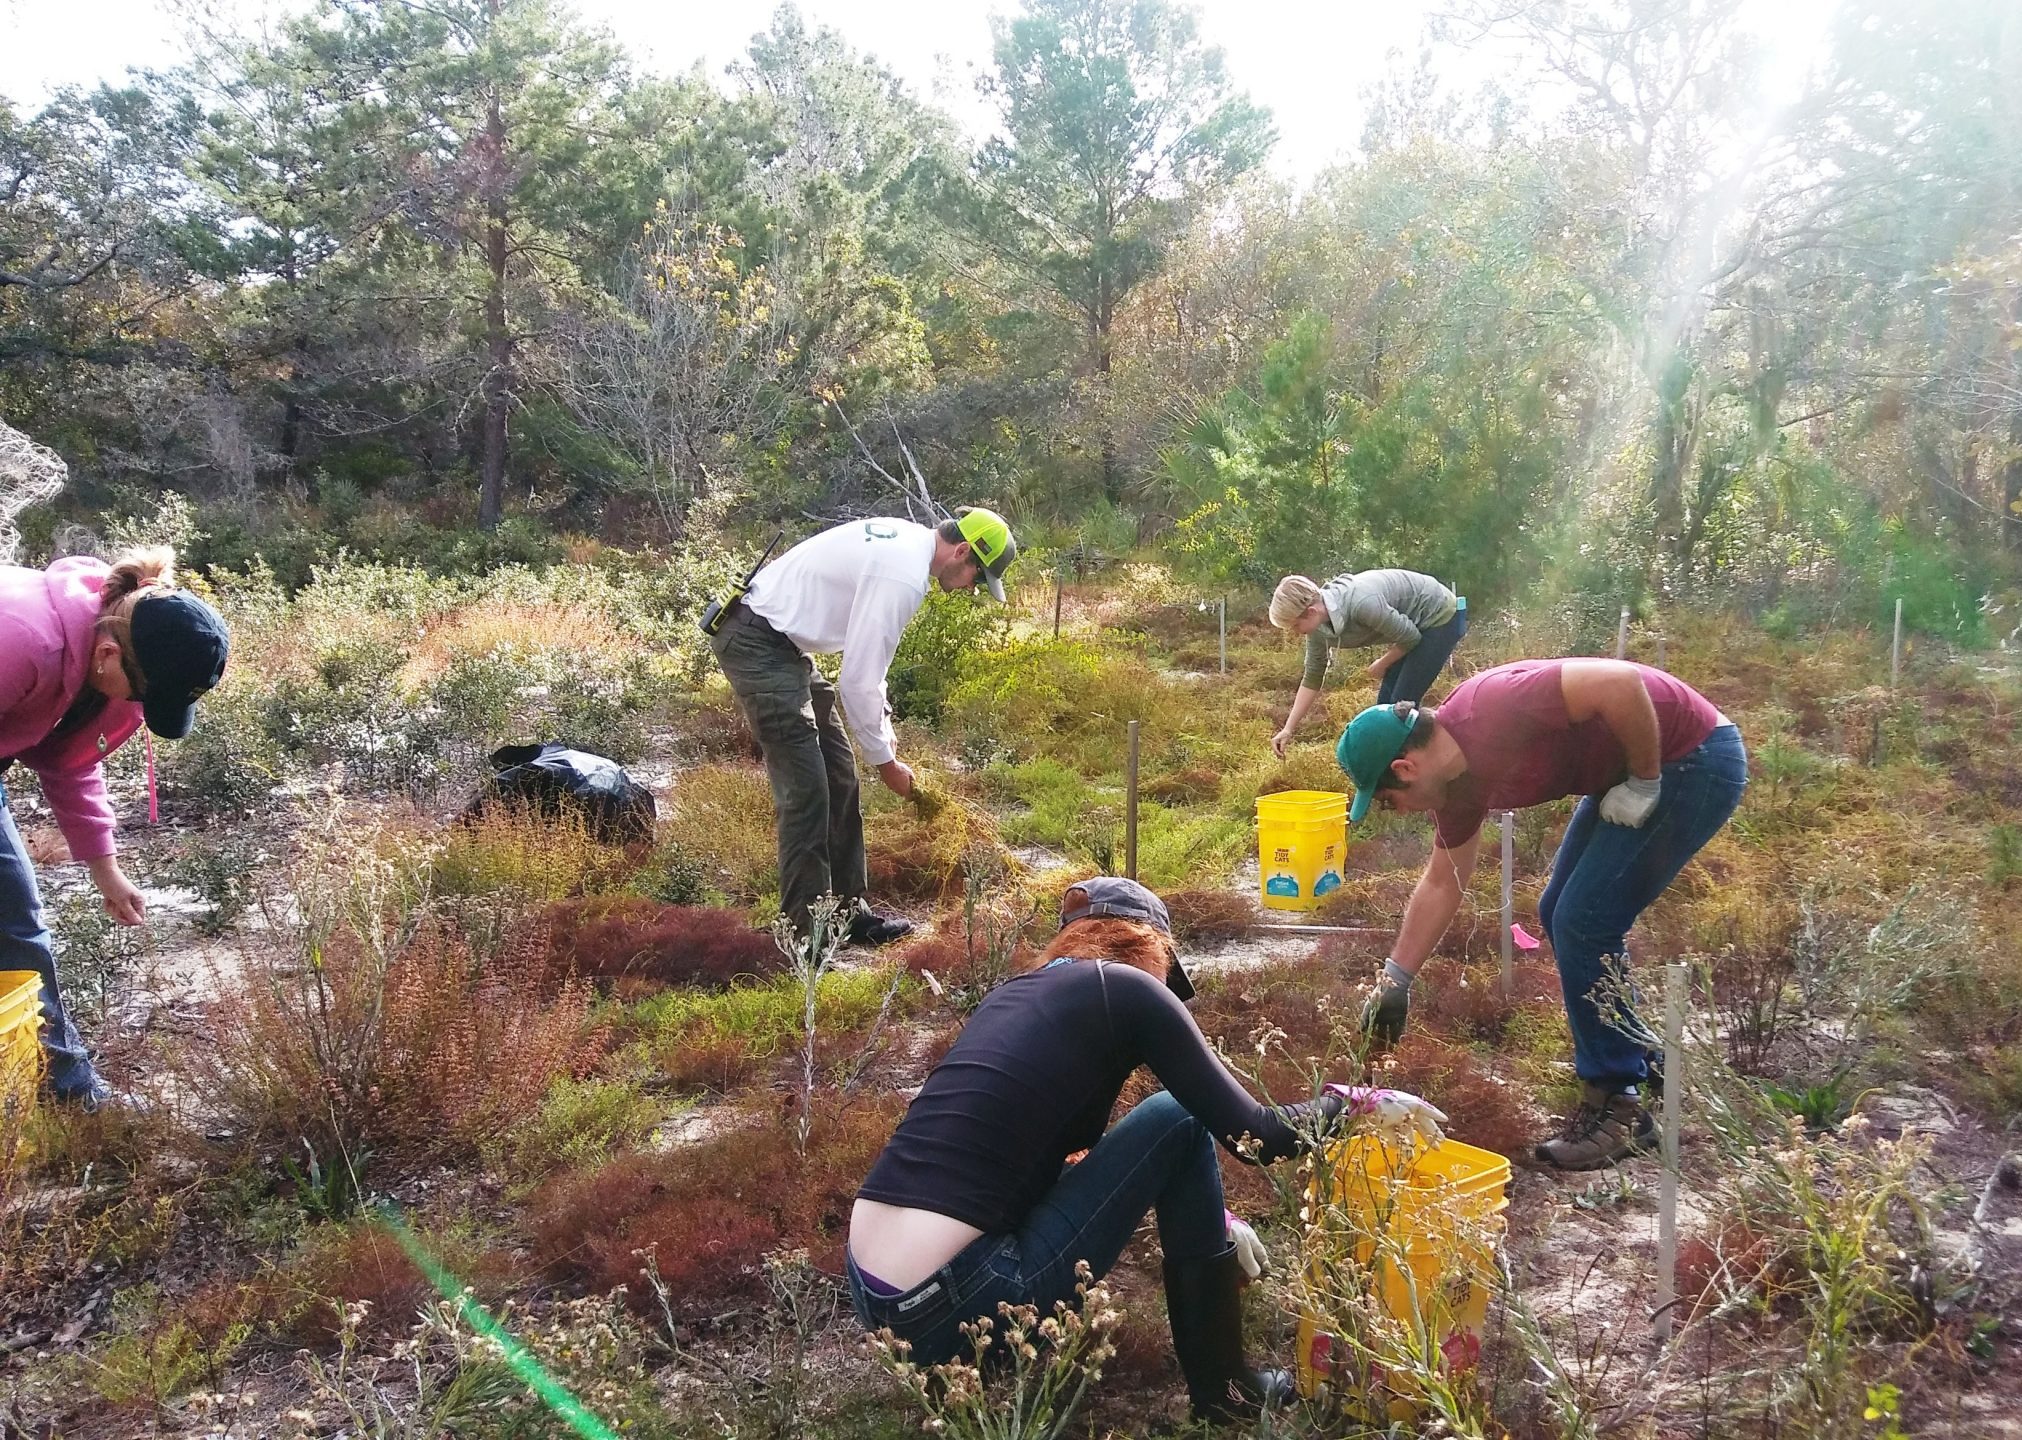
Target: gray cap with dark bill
[1112, 895]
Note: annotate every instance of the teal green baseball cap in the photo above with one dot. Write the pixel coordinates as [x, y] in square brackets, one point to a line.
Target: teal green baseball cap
[1372, 740]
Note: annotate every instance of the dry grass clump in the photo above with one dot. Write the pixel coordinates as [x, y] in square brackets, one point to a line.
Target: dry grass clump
[1312, 1005]
[1464, 1001]
[722, 815]
[1377, 849]
[942, 952]
[489, 626]
[1726, 1258]
[1206, 916]
[635, 939]
[473, 1044]
[1192, 785]
[1366, 898]
[303, 1301]
[404, 1039]
[1072, 699]
[709, 1213]
[1144, 1357]
[1978, 1014]
[912, 857]
[58, 1231]
[526, 858]
[716, 732]
[711, 1061]
[1305, 767]
[964, 971]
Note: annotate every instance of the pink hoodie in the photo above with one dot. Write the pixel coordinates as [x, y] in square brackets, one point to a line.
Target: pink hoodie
[46, 620]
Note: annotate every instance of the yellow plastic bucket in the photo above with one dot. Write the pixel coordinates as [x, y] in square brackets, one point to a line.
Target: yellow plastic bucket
[1302, 836]
[1438, 1210]
[20, 1039]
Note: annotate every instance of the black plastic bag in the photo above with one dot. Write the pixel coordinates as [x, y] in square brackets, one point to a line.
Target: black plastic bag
[552, 779]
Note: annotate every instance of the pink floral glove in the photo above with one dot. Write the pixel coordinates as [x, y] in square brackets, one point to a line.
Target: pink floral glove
[1396, 1115]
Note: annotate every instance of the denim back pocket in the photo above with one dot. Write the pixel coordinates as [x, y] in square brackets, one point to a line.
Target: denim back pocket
[923, 1316]
[931, 1314]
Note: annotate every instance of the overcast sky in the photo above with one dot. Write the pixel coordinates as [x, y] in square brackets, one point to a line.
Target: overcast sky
[1307, 60]
[1311, 62]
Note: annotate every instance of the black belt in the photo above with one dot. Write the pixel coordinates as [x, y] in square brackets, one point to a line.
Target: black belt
[743, 614]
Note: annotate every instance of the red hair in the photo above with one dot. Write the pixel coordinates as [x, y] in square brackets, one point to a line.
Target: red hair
[1105, 937]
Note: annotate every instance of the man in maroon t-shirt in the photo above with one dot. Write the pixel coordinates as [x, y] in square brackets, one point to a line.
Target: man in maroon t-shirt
[1659, 769]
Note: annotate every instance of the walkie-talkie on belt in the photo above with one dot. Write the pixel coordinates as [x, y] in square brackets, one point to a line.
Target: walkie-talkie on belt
[719, 610]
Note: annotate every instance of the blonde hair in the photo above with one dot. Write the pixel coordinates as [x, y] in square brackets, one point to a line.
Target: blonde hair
[1294, 596]
[132, 576]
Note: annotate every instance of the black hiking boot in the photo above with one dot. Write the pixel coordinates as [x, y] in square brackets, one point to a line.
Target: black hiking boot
[874, 927]
[1203, 1301]
[1610, 1126]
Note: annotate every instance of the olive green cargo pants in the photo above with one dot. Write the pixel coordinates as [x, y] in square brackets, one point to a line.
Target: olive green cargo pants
[795, 715]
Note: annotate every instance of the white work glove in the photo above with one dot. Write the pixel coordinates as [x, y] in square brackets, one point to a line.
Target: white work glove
[1631, 802]
[1394, 1114]
[1249, 1249]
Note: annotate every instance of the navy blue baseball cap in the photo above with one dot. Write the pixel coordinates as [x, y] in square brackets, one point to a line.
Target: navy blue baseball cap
[180, 645]
[1125, 900]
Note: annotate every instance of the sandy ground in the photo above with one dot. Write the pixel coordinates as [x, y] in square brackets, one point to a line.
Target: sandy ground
[1583, 1248]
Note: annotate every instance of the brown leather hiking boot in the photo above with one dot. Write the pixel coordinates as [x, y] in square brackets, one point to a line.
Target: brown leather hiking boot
[1610, 1126]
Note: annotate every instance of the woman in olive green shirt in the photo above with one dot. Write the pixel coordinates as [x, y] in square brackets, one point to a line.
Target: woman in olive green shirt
[1420, 619]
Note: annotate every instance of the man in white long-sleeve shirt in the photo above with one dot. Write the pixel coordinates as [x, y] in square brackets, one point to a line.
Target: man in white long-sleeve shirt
[852, 589]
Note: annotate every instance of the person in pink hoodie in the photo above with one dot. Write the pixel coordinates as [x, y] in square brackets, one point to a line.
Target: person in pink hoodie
[89, 653]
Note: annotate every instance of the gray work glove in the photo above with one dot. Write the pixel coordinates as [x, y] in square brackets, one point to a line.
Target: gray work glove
[1631, 802]
[1385, 1013]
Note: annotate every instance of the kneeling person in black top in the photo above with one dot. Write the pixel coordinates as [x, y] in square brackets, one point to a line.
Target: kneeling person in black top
[968, 1204]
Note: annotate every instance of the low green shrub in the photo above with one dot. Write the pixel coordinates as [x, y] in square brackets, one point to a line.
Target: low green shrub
[97, 955]
[154, 1354]
[765, 1020]
[579, 1123]
[219, 870]
[673, 876]
[947, 634]
[228, 765]
[1026, 691]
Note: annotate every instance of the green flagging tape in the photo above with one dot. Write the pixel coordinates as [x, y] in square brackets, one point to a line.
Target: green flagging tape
[517, 1356]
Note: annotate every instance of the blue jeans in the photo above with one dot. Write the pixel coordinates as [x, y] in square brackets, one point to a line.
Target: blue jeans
[25, 945]
[1412, 676]
[1156, 1157]
[1605, 875]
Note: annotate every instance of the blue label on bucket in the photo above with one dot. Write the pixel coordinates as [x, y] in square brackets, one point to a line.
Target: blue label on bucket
[1282, 885]
[1329, 881]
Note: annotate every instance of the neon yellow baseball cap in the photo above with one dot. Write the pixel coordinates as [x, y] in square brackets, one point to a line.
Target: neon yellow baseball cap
[991, 542]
